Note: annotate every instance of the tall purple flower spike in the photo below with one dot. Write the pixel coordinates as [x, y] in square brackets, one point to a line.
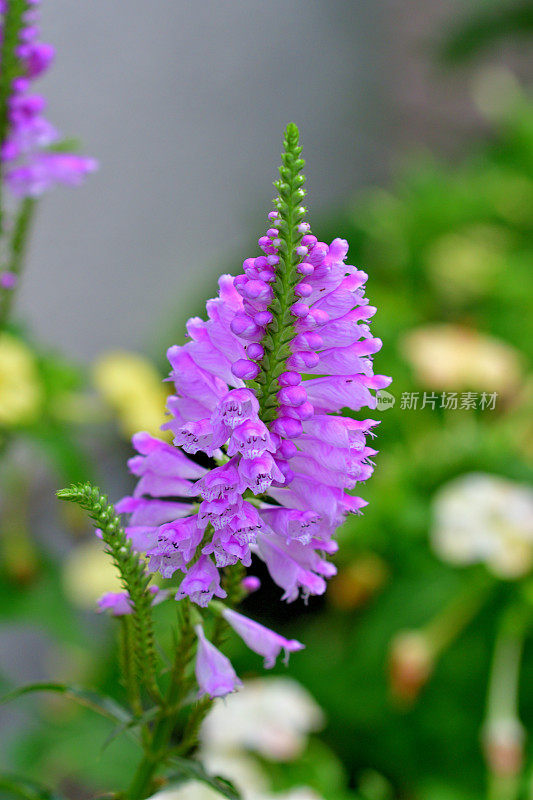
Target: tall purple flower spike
[27, 139]
[259, 389]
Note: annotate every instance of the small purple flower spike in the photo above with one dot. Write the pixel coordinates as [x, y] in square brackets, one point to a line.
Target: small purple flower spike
[32, 167]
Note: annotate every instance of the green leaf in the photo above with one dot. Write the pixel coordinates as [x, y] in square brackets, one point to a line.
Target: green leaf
[16, 786]
[130, 725]
[99, 703]
[194, 770]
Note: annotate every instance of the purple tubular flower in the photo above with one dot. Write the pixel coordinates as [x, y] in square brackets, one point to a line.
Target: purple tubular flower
[175, 544]
[201, 582]
[251, 438]
[257, 474]
[219, 484]
[116, 603]
[33, 169]
[214, 673]
[260, 639]
[261, 388]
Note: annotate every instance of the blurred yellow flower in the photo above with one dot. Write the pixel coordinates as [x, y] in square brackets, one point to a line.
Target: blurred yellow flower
[20, 388]
[88, 572]
[133, 388]
[449, 357]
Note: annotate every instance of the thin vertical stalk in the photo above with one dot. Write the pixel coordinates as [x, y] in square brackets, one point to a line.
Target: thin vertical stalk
[503, 731]
[448, 624]
[18, 248]
[10, 68]
[127, 663]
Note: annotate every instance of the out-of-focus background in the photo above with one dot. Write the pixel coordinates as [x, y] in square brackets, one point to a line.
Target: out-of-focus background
[417, 123]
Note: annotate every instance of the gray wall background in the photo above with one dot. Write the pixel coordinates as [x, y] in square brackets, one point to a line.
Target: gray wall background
[183, 103]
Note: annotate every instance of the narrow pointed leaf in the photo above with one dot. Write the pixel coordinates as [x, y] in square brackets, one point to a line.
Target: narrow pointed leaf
[99, 703]
[130, 726]
[190, 768]
[15, 786]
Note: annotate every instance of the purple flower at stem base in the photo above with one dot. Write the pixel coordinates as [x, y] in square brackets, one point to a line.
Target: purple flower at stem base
[214, 673]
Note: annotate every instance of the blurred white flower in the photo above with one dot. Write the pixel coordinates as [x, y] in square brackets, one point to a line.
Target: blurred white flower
[241, 769]
[484, 518]
[194, 790]
[269, 716]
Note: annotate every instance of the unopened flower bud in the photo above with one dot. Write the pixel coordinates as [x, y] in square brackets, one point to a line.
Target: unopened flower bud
[251, 583]
[503, 744]
[255, 351]
[303, 290]
[263, 318]
[411, 664]
[299, 310]
[289, 378]
[292, 395]
[245, 369]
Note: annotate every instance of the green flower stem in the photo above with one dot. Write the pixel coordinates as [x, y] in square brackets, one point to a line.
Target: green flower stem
[232, 583]
[451, 621]
[18, 246]
[132, 573]
[18, 555]
[280, 331]
[502, 699]
[159, 744]
[189, 741]
[127, 663]
[178, 688]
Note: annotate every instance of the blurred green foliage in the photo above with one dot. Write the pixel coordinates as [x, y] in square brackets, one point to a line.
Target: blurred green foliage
[454, 245]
